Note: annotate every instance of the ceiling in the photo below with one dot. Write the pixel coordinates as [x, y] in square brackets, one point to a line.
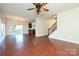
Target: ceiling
[12, 10]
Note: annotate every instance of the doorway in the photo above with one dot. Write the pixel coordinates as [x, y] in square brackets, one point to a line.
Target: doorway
[31, 28]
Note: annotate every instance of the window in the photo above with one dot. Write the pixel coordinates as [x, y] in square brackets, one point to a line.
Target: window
[2, 31]
[17, 30]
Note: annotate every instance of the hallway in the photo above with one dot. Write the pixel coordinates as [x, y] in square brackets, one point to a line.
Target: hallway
[28, 45]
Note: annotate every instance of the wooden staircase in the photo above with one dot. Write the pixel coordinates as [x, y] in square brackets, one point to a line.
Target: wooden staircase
[52, 28]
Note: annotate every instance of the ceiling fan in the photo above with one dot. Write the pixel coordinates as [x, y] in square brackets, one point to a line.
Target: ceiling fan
[38, 7]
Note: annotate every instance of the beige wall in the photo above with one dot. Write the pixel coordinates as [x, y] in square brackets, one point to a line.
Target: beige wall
[11, 22]
[51, 22]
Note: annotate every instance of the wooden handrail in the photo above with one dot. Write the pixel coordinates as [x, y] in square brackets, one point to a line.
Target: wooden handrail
[53, 28]
[52, 25]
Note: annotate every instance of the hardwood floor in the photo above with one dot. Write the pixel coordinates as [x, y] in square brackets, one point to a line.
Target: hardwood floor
[28, 45]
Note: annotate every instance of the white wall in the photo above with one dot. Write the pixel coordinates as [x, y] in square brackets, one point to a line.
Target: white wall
[25, 27]
[67, 26]
[11, 22]
[41, 27]
[33, 25]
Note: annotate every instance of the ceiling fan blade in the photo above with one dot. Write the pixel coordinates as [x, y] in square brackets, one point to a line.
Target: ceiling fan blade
[34, 3]
[43, 4]
[31, 9]
[45, 9]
